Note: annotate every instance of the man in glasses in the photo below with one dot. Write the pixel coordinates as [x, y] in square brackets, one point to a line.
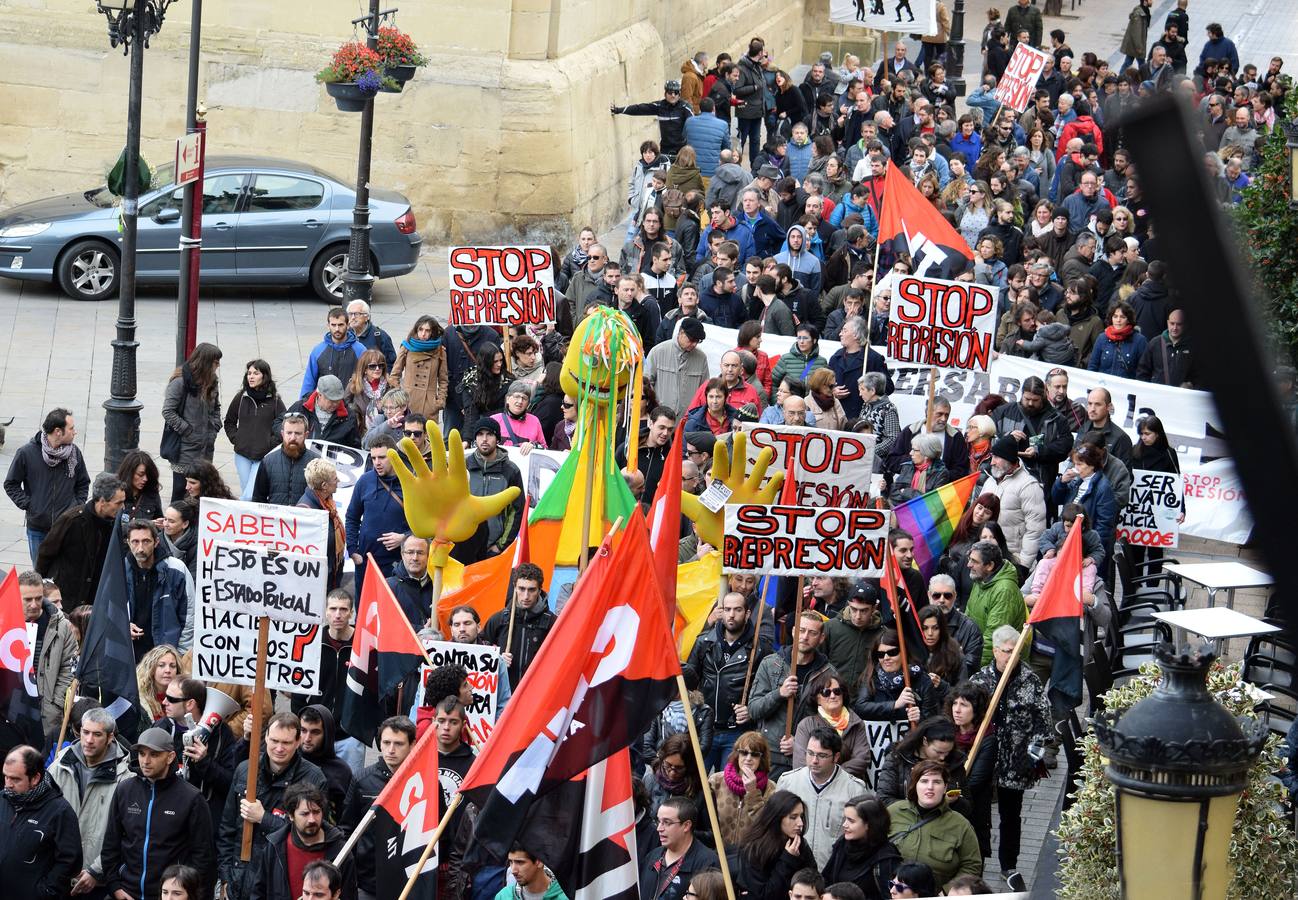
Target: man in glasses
[371, 336]
[585, 282]
[942, 593]
[667, 869]
[824, 787]
[670, 112]
[415, 427]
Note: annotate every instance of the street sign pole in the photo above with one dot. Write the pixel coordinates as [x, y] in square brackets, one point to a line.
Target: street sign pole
[191, 211]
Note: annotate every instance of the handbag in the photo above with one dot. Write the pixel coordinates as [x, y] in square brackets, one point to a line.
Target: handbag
[169, 449]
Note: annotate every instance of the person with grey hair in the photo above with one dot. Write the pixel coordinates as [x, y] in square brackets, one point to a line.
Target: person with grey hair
[922, 472]
[955, 450]
[851, 361]
[1078, 261]
[369, 335]
[879, 413]
[73, 553]
[87, 771]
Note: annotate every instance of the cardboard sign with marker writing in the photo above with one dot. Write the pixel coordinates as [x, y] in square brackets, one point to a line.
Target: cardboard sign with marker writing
[1017, 85]
[801, 540]
[485, 669]
[947, 324]
[501, 285]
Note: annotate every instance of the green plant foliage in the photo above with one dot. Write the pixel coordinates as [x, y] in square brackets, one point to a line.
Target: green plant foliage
[1270, 234]
[1263, 849]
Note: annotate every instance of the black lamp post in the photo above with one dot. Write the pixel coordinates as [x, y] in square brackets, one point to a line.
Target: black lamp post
[130, 24]
[955, 50]
[1179, 762]
[1291, 156]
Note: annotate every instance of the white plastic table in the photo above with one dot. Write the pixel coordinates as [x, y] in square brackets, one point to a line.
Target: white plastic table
[1217, 623]
[1220, 576]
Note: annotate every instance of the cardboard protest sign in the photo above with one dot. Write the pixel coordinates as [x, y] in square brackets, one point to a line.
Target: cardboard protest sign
[882, 737]
[947, 324]
[800, 540]
[501, 285]
[1017, 85]
[287, 587]
[483, 663]
[225, 641]
[912, 16]
[1150, 516]
[832, 468]
[538, 469]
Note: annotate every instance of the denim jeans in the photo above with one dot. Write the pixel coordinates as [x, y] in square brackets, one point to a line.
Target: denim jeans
[351, 751]
[247, 469]
[750, 130]
[34, 539]
[723, 741]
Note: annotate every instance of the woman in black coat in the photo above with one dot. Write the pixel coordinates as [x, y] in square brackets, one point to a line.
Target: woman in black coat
[252, 422]
[882, 695]
[864, 855]
[772, 850]
[139, 476]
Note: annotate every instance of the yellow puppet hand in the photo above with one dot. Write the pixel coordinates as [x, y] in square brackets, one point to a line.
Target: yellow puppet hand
[711, 525]
[437, 500]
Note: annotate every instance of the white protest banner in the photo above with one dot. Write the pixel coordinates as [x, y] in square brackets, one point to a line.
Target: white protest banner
[882, 737]
[920, 15]
[832, 468]
[501, 285]
[538, 470]
[801, 540]
[1150, 518]
[482, 662]
[225, 642]
[350, 463]
[948, 324]
[1017, 85]
[287, 587]
[718, 340]
[1214, 499]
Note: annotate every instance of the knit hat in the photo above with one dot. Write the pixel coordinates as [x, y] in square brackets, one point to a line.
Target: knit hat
[330, 387]
[865, 593]
[701, 441]
[486, 423]
[1006, 448]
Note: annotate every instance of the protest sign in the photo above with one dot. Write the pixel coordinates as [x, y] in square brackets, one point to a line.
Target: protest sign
[920, 15]
[483, 663]
[225, 641]
[1215, 507]
[350, 464]
[800, 540]
[538, 469]
[501, 285]
[882, 737]
[1017, 85]
[1150, 517]
[947, 324]
[831, 468]
[287, 587]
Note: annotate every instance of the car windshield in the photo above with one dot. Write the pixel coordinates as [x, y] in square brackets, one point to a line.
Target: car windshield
[162, 176]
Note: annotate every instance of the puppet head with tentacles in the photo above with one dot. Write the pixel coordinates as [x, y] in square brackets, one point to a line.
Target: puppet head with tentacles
[603, 358]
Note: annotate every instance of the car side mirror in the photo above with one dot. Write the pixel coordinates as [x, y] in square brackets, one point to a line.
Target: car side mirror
[167, 215]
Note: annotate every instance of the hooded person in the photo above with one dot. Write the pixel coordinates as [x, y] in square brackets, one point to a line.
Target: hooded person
[318, 748]
[797, 254]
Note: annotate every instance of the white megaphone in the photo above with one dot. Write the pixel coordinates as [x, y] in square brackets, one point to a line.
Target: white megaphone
[220, 706]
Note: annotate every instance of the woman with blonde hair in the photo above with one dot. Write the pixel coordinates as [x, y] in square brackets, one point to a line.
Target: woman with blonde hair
[743, 785]
[159, 669]
[321, 485]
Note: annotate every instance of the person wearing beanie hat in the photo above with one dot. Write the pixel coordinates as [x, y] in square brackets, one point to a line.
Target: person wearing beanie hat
[1023, 503]
[850, 636]
[518, 427]
[490, 472]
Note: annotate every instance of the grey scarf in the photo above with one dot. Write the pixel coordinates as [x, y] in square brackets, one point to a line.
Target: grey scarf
[67, 454]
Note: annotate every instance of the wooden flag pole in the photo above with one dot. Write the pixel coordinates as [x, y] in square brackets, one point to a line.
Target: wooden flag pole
[793, 660]
[895, 567]
[254, 743]
[932, 390]
[752, 653]
[509, 633]
[996, 698]
[355, 836]
[432, 844]
[707, 788]
[67, 714]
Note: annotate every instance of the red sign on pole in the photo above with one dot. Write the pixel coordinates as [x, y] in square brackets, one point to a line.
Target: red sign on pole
[1020, 79]
[189, 158]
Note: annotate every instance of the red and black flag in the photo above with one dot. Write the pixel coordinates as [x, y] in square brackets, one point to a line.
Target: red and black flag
[665, 526]
[21, 705]
[607, 669]
[384, 651]
[1056, 618]
[905, 612]
[910, 224]
[406, 815]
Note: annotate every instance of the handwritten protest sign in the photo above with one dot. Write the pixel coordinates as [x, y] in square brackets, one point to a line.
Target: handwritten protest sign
[483, 664]
[1019, 82]
[225, 640]
[1150, 516]
[882, 737]
[831, 468]
[948, 324]
[800, 540]
[501, 285]
[288, 587]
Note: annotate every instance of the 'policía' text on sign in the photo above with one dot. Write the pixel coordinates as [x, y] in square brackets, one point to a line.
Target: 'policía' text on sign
[289, 587]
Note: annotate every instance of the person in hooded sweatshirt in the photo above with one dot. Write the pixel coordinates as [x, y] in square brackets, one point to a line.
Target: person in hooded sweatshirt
[336, 355]
[796, 254]
[318, 733]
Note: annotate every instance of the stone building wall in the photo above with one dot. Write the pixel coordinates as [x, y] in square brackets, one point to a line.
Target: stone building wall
[507, 132]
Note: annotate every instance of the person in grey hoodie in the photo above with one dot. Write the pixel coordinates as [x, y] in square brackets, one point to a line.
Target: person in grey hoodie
[727, 181]
[1053, 342]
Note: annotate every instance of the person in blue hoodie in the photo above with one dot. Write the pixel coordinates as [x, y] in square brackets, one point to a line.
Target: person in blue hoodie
[722, 220]
[376, 516]
[336, 355]
[967, 140]
[797, 254]
[856, 203]
[798, 151]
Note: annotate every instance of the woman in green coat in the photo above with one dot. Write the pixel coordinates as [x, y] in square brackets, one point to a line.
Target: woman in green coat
[802, 357]
[925, 828]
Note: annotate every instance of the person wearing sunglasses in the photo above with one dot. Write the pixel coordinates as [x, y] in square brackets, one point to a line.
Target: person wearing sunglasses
[743, 786]
[926, 830]
[913, 879]
[882, 695]
[942, 593]
[824, 786]
[832, 709]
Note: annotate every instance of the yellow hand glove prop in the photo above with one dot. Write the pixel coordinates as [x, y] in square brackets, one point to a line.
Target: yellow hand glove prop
[711, 525]
[437, 500]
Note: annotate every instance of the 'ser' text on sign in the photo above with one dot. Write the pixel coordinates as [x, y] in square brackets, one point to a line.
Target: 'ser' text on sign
[800, 540]
[501, 285]
[948, 324]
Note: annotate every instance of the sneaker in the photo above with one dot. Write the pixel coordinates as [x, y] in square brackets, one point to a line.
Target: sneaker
[1015, 881]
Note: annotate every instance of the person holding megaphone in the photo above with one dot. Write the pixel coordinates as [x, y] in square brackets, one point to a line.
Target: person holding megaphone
[207, 761]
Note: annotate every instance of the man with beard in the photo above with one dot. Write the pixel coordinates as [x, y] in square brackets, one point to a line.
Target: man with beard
[850, 636]
[318, 735]
[159, 592]
[1044, 439]
[304, 839]
[73, 552]
[281, 477]
[1023, 503]
[774, 683]
[1073, 412]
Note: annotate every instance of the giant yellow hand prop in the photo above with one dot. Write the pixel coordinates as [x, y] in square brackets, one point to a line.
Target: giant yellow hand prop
[438, 503]
[711, 525]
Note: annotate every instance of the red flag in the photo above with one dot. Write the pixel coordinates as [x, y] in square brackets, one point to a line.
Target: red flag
[789, 490]
[1061, 598]
[384, 651]
[911, 224]
[21, 706]
[894, 586]
[605, 671]
[1057, 619]
[407, 820]
[665, 523]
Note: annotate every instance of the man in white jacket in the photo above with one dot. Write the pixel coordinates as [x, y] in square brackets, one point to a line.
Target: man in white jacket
[824, 788]
[1023, 504]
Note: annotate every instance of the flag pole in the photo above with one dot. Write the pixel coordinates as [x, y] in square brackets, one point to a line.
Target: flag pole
[254, 743]
[894, 568]
[752, 653]
[432, 845]
[355, 836]
[67, 713]
[707, 788]
[793, 660]
[996, 698]
[932, 390]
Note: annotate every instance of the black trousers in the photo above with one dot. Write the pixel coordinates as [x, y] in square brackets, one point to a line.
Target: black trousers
[1011, 806]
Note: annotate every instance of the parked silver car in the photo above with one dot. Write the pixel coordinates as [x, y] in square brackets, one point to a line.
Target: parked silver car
[265, 221]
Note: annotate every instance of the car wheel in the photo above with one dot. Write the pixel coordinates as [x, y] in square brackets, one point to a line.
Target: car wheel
[89, 270]
[327, 273]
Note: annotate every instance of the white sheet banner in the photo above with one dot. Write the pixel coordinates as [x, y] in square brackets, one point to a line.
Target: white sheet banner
[910, 16]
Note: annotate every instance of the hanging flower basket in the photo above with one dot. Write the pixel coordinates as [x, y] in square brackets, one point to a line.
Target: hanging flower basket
[400, 73]
[348, 96]
[399, 54]
[354, 75]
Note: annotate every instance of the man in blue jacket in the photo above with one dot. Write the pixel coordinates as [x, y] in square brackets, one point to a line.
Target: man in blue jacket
[159, 592]
[722, 220]
[376, 517]
[335, 355]
[767, 235]
[708, 135]
[371, 336]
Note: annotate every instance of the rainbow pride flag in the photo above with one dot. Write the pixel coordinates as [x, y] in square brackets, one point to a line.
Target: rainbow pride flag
[931, 518]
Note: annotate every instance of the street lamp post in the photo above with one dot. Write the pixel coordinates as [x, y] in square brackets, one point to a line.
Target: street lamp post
[358, 283]
[130, 23]
[955, 50]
